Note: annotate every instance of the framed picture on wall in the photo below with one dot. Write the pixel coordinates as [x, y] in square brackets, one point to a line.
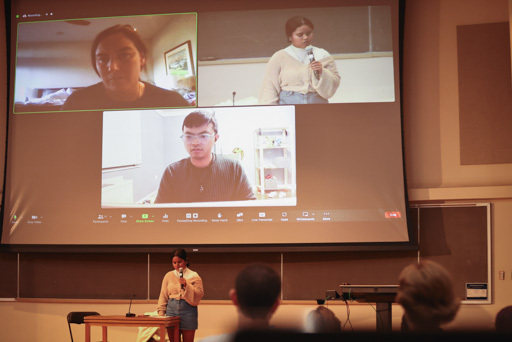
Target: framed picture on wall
[179, 61]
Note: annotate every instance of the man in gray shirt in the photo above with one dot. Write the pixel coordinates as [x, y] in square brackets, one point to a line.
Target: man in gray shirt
[204, 176]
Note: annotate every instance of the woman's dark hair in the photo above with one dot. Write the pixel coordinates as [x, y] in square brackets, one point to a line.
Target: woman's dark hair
[181, 253]
[297, 21]
[127, 31]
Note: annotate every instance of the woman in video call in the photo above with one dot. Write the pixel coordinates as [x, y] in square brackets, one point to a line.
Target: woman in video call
[118, 56]
[182, 289]
[300, 73]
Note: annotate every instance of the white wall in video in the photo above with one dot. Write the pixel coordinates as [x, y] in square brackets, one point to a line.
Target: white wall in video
[204, 157]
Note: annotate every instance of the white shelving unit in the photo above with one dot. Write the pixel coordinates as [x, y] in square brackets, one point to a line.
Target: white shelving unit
[273, 163]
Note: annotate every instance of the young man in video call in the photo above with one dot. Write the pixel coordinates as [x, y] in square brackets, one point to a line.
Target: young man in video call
[204, 176]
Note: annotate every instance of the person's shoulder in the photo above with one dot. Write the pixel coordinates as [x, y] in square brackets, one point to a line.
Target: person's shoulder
[169, 274]
[172, 97]
[281, 53]
[76, 99]
[178, 164]
[320, 53]
[225, 161]
[88, 90]
[154, 89]
[278, 55]
[193, 273]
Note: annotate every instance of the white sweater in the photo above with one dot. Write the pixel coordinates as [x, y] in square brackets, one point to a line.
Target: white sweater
[285, 72]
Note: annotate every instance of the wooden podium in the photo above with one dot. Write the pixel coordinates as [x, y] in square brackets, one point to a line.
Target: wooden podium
[171, 325]
[382, 295]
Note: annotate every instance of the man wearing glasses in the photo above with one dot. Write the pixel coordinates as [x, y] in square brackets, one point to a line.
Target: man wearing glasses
[204, 176]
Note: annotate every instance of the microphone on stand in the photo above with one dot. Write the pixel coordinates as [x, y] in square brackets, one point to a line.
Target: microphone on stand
[129, 314]
[311, 60]
[234, 93]
[180, 270]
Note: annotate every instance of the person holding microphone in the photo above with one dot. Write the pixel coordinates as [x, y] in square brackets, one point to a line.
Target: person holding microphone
[300, 73]
[181, 292]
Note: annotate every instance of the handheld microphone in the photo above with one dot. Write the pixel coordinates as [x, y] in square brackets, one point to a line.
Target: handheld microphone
[180, 270]
[129, 314]
[234, 93]
[311, 60]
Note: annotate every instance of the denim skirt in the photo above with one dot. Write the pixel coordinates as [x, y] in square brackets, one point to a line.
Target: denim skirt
[292, 97]
[186, 312]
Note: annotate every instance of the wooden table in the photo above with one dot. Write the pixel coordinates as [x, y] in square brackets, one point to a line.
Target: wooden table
[164, 323]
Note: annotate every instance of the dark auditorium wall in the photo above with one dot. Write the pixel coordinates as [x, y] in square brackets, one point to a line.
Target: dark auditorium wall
[457, 237]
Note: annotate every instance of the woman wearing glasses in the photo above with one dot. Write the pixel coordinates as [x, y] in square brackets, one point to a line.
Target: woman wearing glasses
[118, 56]
[300, 73]
[204, 176]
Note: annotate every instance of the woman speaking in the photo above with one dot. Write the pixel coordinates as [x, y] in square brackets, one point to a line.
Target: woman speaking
[182, 289]
[300, 73]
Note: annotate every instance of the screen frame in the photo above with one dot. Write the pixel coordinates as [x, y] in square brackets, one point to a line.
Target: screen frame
[412, 244]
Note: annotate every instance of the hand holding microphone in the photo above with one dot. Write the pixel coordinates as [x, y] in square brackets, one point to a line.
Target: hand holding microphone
[182, 280]
[314, 64]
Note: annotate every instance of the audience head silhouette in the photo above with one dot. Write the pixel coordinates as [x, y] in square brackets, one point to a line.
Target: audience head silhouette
[427, 296]
[504, 320]
[256, 295]
[322, 320]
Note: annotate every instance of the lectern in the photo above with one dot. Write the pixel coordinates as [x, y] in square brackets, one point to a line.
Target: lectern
[382, 295]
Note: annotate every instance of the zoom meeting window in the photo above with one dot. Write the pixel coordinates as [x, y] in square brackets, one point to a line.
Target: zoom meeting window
[204, 157]
[235, 124]
[105, 63]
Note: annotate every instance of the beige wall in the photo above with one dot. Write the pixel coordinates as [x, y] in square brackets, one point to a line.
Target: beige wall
[431, 126]
[433, 171]
[183, 28]
[431, 98]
